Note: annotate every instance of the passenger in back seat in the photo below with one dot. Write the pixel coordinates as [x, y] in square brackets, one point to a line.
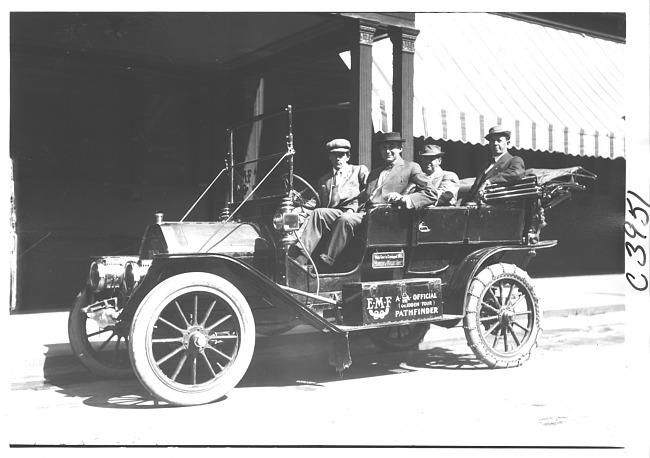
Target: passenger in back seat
[502, 167]
[444, 182]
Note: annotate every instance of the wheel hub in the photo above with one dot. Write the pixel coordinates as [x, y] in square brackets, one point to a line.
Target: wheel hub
[199, 340]
[506, 316]
[196, 340]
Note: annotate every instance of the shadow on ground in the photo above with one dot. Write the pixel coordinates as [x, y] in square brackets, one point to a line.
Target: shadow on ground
[299, 360]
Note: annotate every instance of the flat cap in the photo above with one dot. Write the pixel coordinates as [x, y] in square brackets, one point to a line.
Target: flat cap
[497, 130]
[338, 145]
[432, 151]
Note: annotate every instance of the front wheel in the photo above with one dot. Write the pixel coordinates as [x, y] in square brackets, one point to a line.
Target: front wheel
[102, 349]
[192, 339]
[502, 319]
[398, 338]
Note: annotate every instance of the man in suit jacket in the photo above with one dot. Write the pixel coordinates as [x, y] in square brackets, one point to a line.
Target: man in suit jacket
[445, 183]
[386, 184]
[338, 191]
[503, 167]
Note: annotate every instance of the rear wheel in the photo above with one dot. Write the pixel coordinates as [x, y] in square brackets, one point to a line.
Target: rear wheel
[395, 338]
[192, 339]
[502, 320]
[102, 349]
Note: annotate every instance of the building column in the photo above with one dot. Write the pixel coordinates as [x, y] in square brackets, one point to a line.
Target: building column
[403, 40]
[13, 237]
[361, 92]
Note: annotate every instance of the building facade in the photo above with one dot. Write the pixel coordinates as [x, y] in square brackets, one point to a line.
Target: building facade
[117, 116]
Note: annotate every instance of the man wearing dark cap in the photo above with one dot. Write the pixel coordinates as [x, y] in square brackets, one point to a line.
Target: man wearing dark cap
[445, 183]
[338, 191]
[387, 184]
[503, 167]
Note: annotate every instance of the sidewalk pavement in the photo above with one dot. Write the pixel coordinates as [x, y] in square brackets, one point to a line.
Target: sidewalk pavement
[41, 350]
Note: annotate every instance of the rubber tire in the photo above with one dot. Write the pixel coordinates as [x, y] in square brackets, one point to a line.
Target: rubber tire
[145, 317]
[81, 347]
[478, 287]
[381, 338]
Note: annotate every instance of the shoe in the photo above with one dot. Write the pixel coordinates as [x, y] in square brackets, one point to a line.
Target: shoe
[298, 255]
[326, 259]
[294, 252]
[323, 266]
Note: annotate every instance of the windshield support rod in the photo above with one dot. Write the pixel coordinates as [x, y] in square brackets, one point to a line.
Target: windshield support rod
[260, 159]
[290, 148]
[231, 166]
[288, 153]
[201, 196]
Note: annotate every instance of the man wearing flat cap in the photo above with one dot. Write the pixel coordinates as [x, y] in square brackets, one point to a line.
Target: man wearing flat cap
[387, 184]
[503, 167]
[338, 191]
[445, 183]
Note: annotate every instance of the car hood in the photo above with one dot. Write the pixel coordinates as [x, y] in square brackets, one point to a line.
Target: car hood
[199, 237]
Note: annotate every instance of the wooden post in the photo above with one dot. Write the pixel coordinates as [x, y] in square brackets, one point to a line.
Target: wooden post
[403, 40]
[361, 92]
[13, 247]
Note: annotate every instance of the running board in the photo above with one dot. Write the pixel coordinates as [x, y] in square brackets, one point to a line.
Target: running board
[346, 328]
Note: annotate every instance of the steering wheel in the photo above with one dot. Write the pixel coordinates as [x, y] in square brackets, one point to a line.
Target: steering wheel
[302, 192]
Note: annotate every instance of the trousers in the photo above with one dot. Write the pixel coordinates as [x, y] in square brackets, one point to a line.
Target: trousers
[339, 225]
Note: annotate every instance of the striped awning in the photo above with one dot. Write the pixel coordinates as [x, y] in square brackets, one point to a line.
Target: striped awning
[555, 90]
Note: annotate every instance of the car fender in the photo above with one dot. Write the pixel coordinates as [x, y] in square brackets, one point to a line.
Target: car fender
[260, 291]
[468, 268]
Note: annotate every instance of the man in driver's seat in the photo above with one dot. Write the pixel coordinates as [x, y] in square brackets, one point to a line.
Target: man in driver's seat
[338, 191]
[388, 184]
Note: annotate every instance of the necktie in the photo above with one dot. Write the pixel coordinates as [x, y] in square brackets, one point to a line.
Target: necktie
[382, 176]
[376, 194]
[334, 192]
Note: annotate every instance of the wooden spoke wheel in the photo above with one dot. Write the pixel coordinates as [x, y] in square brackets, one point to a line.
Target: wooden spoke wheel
[396, 338]
[102, 349]
[502, 320]
[192, 339]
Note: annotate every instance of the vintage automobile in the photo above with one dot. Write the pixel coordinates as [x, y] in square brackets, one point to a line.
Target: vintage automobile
[183, 314]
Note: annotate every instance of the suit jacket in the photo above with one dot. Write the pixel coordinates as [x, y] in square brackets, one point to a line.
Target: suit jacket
[344, 195]
[507, 168]
[401, 175]
[444, 181]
